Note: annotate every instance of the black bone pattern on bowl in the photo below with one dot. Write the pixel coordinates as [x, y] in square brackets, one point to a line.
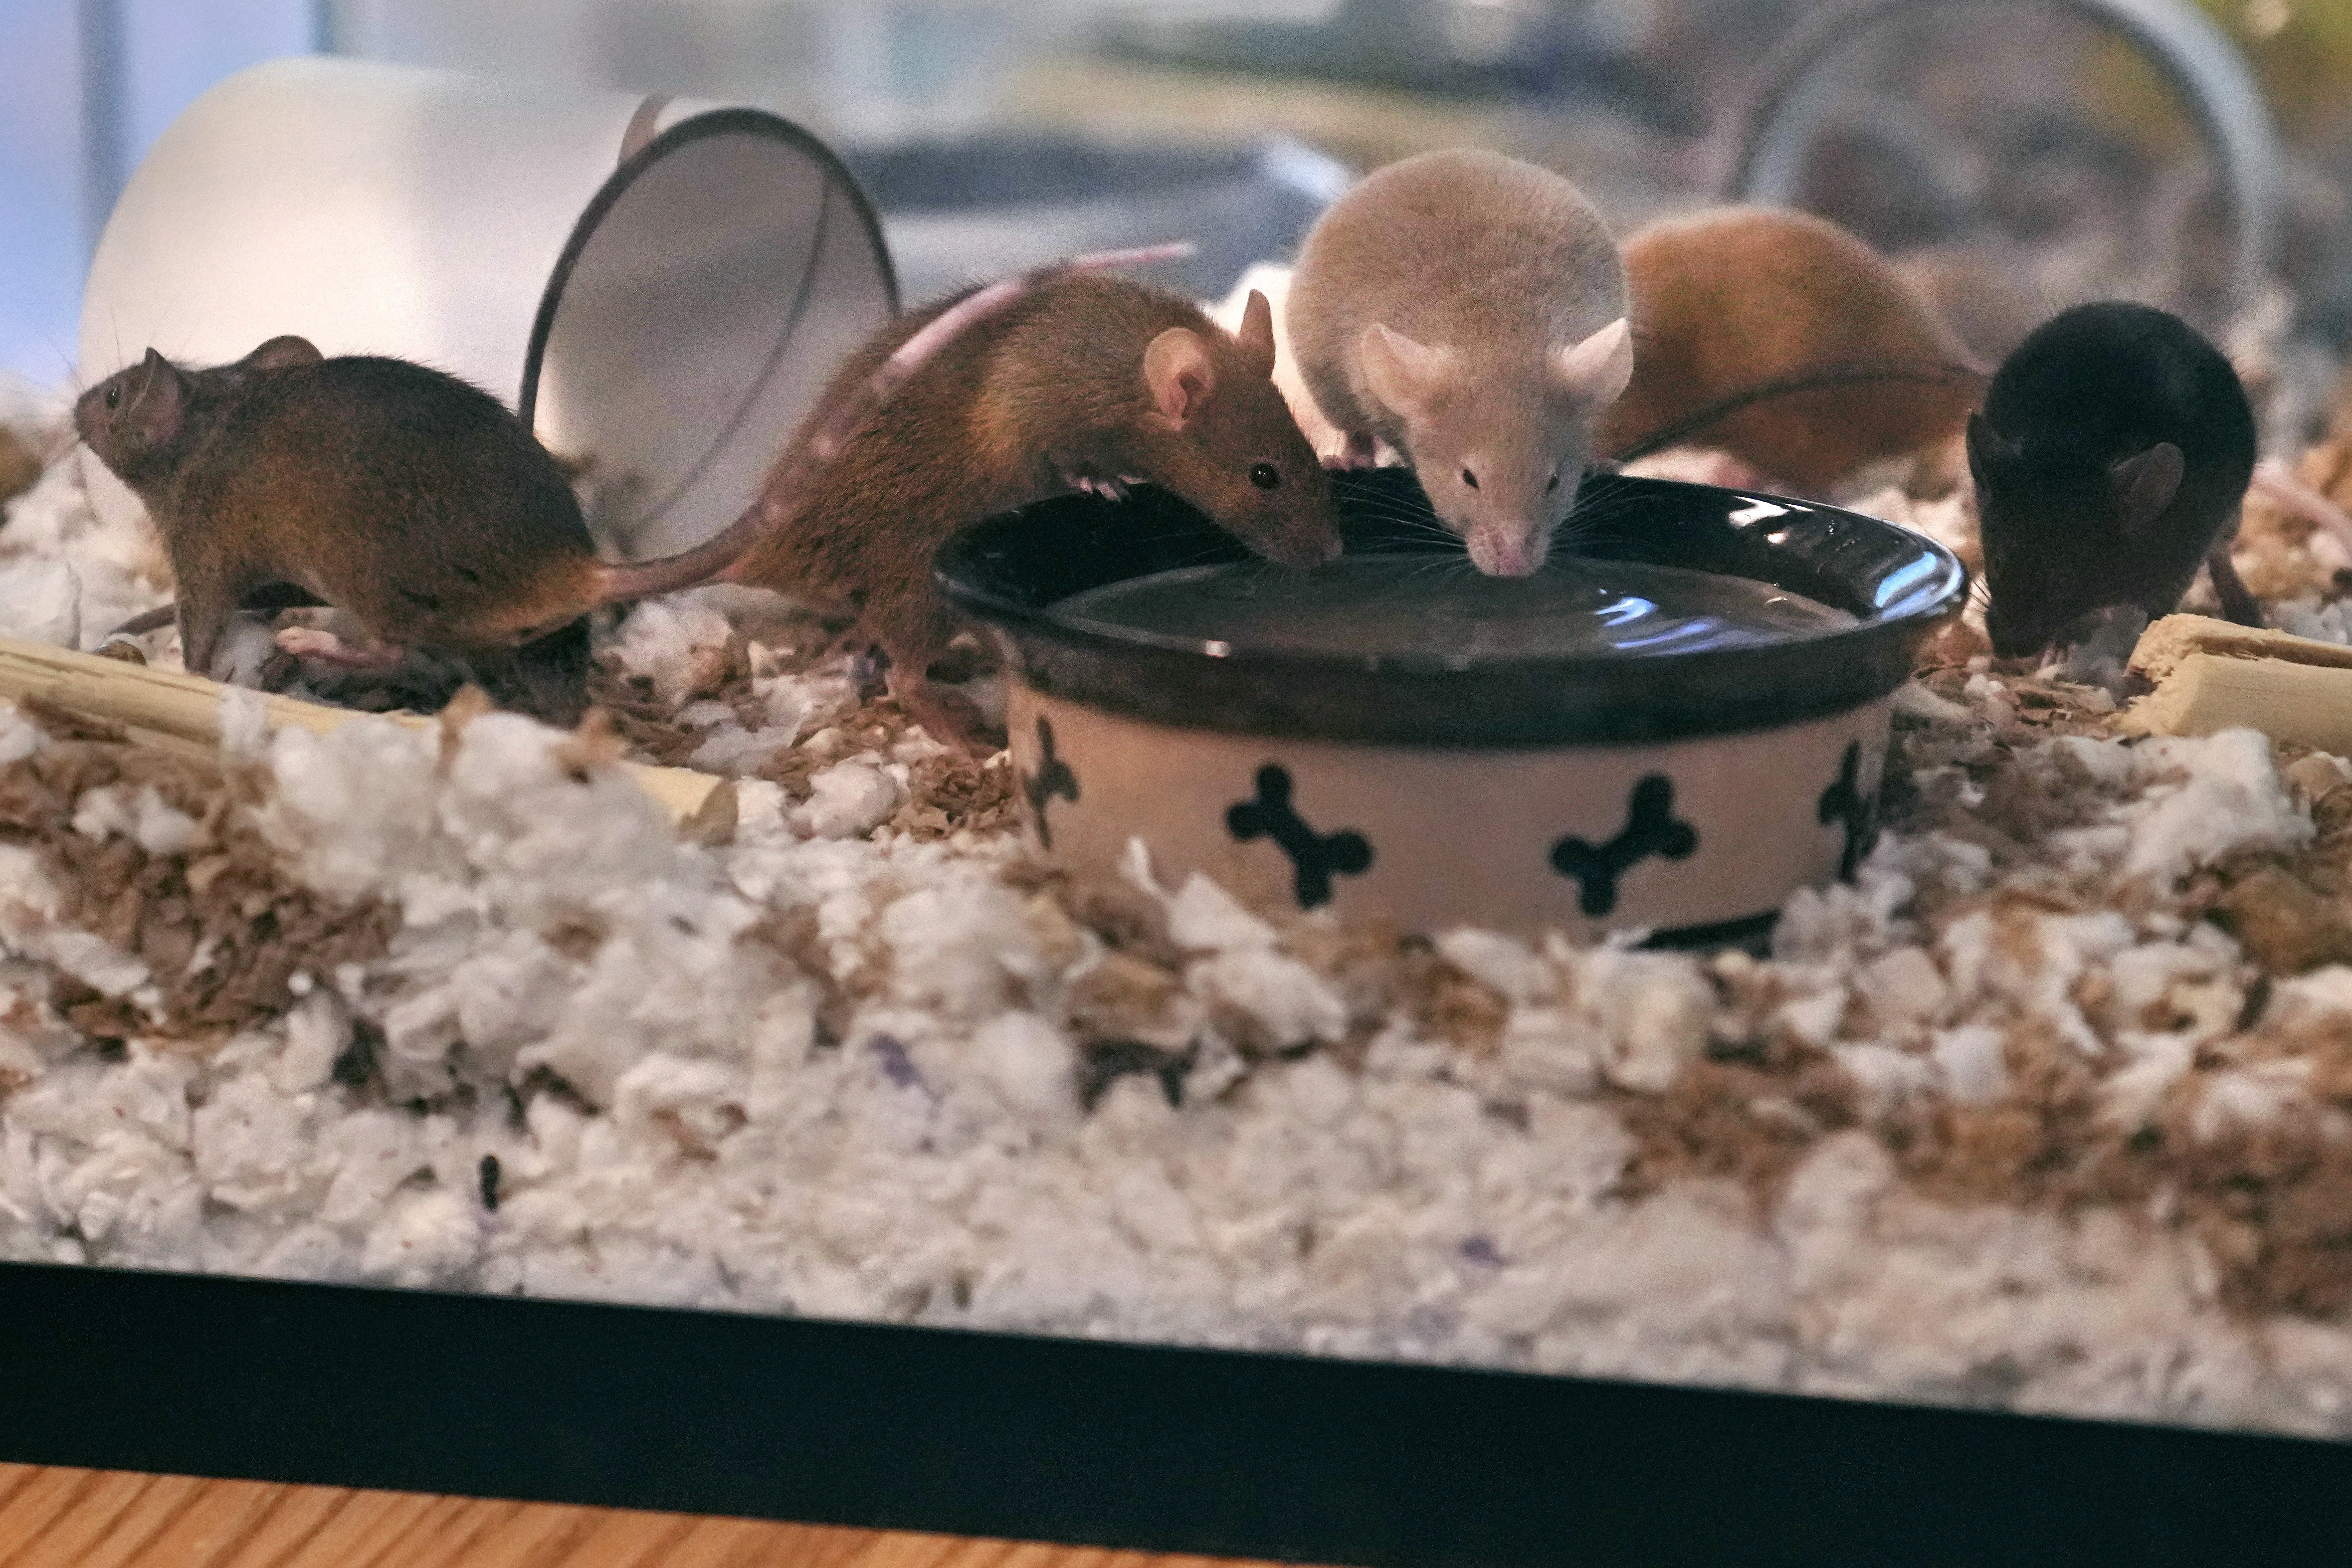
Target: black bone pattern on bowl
[1852, 809]
[1315, 857]
[1651, 828]
[1676, 791]
[1052, 777]
[1009, 570]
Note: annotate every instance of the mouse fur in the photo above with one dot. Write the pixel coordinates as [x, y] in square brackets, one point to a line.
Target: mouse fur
[411, 499]
[2111, 459]
[1469, 310]
[1790, 342]
[1083, 380]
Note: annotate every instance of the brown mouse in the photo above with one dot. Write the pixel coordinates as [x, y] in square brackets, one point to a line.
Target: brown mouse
[1792, 345]
[1076, 379]
[402, 495]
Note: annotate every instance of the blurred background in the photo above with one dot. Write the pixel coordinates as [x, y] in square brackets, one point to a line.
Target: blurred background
[2012, 155]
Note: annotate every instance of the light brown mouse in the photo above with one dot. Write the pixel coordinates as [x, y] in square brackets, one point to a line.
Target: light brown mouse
[1076, 380]
[1470, 311]
[1789, 343]
[400, 494]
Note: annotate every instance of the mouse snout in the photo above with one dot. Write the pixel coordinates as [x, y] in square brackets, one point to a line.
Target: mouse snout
[1505, 551]
[1319, 545]
[2007, 642]
[1302, 545]
[2016, 632]
[89, 412]
[1298, 527]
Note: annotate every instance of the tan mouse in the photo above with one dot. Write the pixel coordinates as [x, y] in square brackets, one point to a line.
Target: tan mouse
[1782, 339]
[1468, 309]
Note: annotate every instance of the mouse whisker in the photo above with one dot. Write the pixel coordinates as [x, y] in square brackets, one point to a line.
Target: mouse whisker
[1395, 506]
[1409, 522]
[72, 375]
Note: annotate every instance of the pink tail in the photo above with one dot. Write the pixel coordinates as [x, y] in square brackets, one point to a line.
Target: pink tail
[642, 579]
[834, 425]
[2275, 479]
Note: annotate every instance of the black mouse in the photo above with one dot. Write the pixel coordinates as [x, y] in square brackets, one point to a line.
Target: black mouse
[2111, 458]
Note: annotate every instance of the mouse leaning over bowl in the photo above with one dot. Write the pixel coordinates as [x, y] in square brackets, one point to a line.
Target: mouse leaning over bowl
[1470, 311]
[414, 501]
[2111, 457]
[1083, 380]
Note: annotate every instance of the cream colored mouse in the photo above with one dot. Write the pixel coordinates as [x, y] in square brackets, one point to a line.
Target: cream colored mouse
[1470, 311]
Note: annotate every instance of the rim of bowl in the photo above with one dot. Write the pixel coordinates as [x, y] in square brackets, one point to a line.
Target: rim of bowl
[1009, 570]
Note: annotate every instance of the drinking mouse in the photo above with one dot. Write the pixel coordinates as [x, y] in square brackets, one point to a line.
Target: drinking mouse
[1791, 344]
[404, 496]
[1079, 380]
[1470, 311]
[2111, 458]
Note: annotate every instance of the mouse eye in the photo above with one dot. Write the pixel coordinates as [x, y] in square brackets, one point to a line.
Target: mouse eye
[1553, 485]
[114, 398]
[1265, 476]
[1470, 479]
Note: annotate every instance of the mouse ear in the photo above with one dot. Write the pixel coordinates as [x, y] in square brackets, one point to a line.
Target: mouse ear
[2146, 483]
[159, 407]
[1980, 439]
[1405, 375]
[1256, 336]
[1596, 370]
[1987, 448]
[1176, 367]
[288, 352]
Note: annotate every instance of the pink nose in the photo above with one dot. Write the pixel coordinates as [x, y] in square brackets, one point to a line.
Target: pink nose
[1504, 557]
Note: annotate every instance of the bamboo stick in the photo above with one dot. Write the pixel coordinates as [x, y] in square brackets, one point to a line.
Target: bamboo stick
[2164, 645]
[2309, 704]
[181, 713]
[2213, 675]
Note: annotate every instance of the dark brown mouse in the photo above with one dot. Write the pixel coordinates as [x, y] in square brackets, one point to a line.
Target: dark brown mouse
[1790, 342]
[2111, 458]
[1078, 379]
[402, 495]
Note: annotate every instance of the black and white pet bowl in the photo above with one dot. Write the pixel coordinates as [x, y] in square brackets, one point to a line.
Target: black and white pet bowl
[1673, 729]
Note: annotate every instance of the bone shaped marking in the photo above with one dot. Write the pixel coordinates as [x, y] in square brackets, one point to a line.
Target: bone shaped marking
[1844, 803]
[1051, 778]
[1649, 829]
[1313, 856]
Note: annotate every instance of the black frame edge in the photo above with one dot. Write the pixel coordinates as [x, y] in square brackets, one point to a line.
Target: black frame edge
[1102, 1444]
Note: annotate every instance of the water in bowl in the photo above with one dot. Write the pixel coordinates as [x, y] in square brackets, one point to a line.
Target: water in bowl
[1440, 608]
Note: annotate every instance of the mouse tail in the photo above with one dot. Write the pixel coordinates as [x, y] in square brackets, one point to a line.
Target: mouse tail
[977, 305]
[618, 581]
[2285, 489]
[1939, 372]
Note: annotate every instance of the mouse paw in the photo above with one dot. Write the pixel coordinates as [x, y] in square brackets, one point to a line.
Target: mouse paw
[950, 718]
[306, 642]
[1360, 452]
[1110, 490]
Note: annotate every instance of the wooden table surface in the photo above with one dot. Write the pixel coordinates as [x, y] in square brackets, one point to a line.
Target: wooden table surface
[107, 1519]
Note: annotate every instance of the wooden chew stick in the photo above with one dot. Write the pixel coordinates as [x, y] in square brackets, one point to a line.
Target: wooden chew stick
[2213, 675]
[181, 713]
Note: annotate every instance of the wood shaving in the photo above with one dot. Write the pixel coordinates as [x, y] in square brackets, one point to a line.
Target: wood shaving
[220, 922]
